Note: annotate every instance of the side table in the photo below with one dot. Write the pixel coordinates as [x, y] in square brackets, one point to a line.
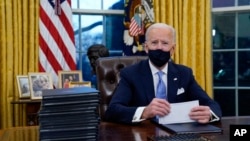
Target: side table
[32, 109]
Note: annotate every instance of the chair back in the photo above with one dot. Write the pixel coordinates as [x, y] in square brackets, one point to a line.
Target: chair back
[108, 75]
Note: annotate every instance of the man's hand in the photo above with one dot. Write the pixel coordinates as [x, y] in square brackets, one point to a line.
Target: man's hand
[158, 107]
[201, 114]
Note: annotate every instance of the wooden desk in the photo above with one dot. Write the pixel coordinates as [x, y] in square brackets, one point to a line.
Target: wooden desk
[119, 132]
[32, 109]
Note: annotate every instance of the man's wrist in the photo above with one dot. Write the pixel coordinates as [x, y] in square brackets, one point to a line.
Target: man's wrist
[138, 115]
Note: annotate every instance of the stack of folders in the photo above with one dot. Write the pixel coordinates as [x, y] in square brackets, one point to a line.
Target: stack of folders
[69, 114]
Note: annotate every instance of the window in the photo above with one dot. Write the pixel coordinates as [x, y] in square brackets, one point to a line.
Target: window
[97, 22]
[231, 56]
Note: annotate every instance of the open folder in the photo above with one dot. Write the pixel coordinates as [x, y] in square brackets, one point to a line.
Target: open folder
[191, 127]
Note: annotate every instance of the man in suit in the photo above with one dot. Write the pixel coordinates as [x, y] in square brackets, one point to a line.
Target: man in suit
[135, 99]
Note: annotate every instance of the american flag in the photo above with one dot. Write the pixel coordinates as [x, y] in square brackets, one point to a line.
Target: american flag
[135, 27]
[56, 38]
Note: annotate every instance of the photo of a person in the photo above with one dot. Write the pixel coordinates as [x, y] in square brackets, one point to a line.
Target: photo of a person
[38, 82]
[65, 77]
[70, 78]
[23, 86]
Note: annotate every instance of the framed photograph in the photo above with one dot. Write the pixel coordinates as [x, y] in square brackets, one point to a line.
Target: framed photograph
[80, 84]
[23, 86]
[38, 82]
[65, 77]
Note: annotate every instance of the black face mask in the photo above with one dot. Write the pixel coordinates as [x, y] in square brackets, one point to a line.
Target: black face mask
[158, 57]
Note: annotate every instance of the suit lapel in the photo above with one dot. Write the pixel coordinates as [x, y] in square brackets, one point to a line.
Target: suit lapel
[173, 81]
[148, 86]
[147, 78]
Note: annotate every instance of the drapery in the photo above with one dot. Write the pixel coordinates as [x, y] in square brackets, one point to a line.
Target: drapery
[19, 45]
[19, 54]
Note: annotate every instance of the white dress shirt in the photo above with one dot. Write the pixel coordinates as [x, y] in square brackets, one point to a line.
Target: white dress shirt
[154, 70]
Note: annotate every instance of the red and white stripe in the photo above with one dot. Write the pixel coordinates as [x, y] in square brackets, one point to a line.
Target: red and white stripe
[56, 39]
[134, 28]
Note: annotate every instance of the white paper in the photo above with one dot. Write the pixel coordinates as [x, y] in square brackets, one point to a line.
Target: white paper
[179, 113]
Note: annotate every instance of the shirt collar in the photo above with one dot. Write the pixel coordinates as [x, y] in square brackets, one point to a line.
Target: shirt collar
[154, 70]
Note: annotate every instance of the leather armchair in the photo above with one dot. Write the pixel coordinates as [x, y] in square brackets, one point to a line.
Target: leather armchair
[108, 75]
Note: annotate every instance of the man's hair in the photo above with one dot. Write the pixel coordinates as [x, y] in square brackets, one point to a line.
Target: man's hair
[161, 25]
[101, 49]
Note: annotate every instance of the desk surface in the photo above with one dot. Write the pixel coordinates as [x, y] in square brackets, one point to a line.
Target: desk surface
[115, 132]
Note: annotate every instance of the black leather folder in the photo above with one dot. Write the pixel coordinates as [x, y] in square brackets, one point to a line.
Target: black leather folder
[192, 127]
